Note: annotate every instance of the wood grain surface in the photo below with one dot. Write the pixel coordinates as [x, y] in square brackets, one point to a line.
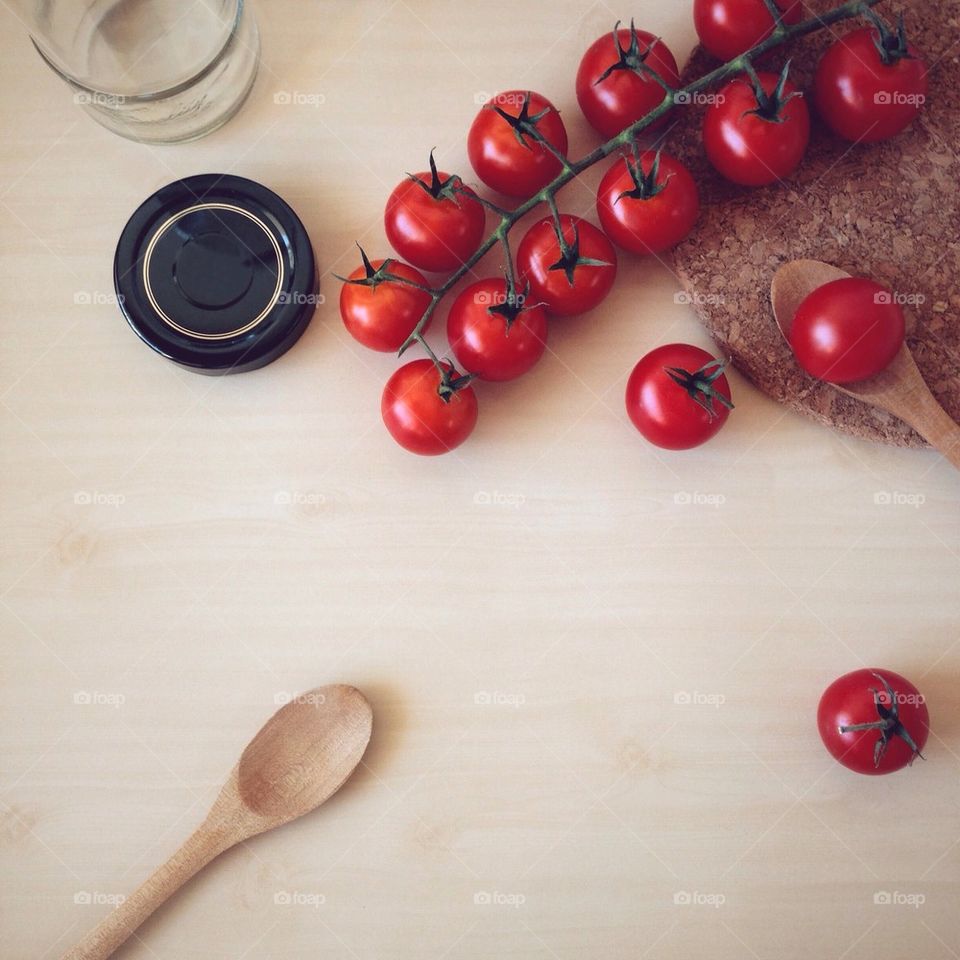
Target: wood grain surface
[594, 667]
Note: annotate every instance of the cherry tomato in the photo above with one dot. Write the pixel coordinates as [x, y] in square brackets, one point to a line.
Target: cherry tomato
[873, 721]
[570, 280]
[380, 313]
[423, 414]
[753, 140]
[614, 90]
[870, 84]
[493, 338]
[504, 150]
[649, 204]
[847, 330]
[434, 220]
[728, 28]
[678, 397]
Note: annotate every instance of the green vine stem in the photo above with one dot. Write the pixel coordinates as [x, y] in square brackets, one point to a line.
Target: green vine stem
[571, 169]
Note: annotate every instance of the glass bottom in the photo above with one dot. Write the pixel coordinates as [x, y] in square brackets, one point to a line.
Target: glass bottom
[191, 109]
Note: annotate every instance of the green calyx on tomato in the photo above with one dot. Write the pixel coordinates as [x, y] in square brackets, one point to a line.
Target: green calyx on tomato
[632, 59]
[888, 725]
[451, 381]
[570, 257]
[513, 304]
[770, 105]
[373, 276]
[645, 185]
[438, 188]
[523, 125]
[891, 44]
[699, 385]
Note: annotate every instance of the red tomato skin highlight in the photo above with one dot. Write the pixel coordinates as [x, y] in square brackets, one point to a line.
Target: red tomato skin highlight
[654, 225]
[623, 97]
[745, 148]
[504, 164]
[436, 235]
[861, 98]
[662, 410]
[382, 317]
[727, 28]
[848, 700]
[480, 340]
[418, 418]
[847, 330]
[539, 250]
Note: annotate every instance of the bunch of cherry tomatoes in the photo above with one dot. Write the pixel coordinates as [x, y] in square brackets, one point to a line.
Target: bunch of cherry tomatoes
[869, 85]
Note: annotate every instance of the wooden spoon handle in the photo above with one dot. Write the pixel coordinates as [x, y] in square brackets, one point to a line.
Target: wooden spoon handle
[933, 423]
[199, 849]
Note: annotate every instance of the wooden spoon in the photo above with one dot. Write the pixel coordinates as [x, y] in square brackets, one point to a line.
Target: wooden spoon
[900, 389]
[300, 758]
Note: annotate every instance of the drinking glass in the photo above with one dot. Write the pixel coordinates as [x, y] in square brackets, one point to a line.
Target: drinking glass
[157, 71]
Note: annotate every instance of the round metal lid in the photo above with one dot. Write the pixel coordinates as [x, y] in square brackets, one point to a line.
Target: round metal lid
[216, 273]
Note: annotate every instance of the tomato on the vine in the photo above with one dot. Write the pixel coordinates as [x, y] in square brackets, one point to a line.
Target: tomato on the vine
[507, 143]
[756, 132]
[569, 270]
[873, 721]
[649, 203]
[614, 85]
[678, 397]
[728, 28]
[493, 333]
[379, 312]
[847, 330]
[434, 220]
[426, 412]
[871, 84]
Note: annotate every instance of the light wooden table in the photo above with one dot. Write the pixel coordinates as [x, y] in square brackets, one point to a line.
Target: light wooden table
[594, 696]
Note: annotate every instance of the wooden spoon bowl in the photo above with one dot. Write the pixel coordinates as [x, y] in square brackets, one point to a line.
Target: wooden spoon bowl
[899, 389]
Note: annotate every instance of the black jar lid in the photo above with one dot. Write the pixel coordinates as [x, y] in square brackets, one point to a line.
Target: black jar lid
[216, 273]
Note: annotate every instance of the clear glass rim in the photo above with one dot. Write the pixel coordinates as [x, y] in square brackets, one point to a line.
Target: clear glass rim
[167, 92]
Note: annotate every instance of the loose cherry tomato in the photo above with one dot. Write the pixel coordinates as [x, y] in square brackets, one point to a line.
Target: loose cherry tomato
[570, 277]
[614, 87]
[503, 143]
[728, 28]
[847, 330]
[494, 336]
[873, 721]
[648, 204]
[870, 84]
[757, 136]
[678, 397]
[434, 220]
[426, 413]
[382, 313]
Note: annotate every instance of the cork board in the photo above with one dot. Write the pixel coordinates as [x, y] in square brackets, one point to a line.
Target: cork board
[888, 211]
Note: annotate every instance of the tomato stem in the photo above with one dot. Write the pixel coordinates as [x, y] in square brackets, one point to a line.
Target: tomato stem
[776, 13]
[891, 44]
[770, 105]
[632, 58]
[888, 726]
[699, 385]
[374, 277]
[570, 257]
[645, 183]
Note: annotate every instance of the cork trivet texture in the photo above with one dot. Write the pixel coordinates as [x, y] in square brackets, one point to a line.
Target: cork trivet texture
[887, 211]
